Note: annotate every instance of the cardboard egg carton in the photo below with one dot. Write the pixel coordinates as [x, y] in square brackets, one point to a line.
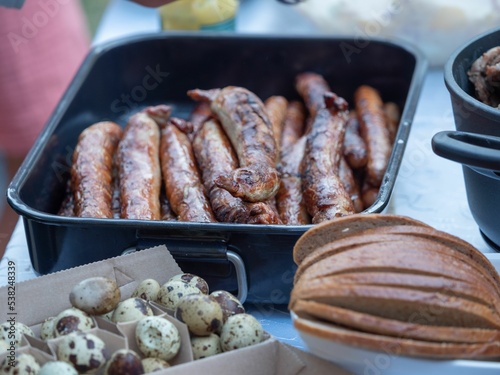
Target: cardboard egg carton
[46, 296]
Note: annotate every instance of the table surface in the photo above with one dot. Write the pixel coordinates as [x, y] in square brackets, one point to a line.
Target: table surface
[428, 188]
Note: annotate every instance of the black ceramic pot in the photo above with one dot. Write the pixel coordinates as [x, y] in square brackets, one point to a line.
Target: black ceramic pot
[480, 156]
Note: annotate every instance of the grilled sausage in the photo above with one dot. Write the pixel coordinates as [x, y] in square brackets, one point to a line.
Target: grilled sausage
[215, 156]
[324, 194]
[312, 87]
[139, 165]
[354, 146]
[200, 113]
[369, 194]
[293, 126]
[67, 207]
[183, 185]
[373, 129]
[276, 111]
[91, 170]
[243, 117]
[391, 112]
[289, 200]
[350, 184]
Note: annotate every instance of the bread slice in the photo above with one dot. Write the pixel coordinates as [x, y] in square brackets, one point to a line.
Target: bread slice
[396, 346]
[426, 283]
[403, 304]
[345, 226]
[397, 256]
[364, 237]
[373, 235]
[391, 327]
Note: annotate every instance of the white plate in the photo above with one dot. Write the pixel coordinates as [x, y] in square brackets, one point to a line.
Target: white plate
[368, 362]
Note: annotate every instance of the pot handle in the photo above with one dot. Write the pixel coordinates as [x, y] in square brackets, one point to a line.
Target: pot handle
[481, 152]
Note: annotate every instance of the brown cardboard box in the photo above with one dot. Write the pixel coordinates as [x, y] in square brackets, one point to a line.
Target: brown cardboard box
[37, 299]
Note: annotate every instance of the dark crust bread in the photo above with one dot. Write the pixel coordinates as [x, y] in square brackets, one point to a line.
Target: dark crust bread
[406, 257]
[426, 283]
[341, 227]
[407, 305]
[397, 346]
[391, 327]
[379, 235]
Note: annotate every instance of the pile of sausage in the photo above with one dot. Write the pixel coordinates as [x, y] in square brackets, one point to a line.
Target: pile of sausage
[237, 159]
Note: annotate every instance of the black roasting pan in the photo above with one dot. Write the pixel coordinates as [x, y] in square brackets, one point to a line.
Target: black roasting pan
[121, 77]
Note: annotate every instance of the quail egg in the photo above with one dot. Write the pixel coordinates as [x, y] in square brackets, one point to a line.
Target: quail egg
[85, 351]
[157, 337]
[47, 329]
[24, 364]
[124, 361]
[154, 364]
[17, 329]
[72, 320]
[172, 291]
[95, 295]
[201, 313]
[205, 346]
[192, 280]
[57, 368]
[148, 290]
[239, 331]
[229, 304]
[131, 309]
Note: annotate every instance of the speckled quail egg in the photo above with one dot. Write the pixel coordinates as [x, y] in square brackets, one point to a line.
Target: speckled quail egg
[85, 351]
[154, 364]
[131, 309]
[157, 337]
[201, 313]
[148, 289]
[57, 368]
[124, 361]
[72, 320]
[205, 346]
[95, 295]
[47, 329]
[24, 364]
[229, 304]
[193, 280]
[4, 346]
[17, 329]
[172, 291]
[239, 331]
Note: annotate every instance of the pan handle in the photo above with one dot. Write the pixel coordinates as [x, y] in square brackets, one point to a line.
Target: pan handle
[478, 151]
[231, 256]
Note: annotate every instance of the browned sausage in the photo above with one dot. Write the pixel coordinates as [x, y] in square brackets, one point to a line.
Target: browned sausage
[289, 200]
[373, 129]
[369, 194]
[91, 171]
[244, 119]
[200, 113]
[350, 184]
[182, 181]
[215, 156]
[391, 111]
[166, 210]
[293, 126]
[312, 87]
[67, 207]
[139, 165]
[276, 111]
[324, 194]
[354, 145]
